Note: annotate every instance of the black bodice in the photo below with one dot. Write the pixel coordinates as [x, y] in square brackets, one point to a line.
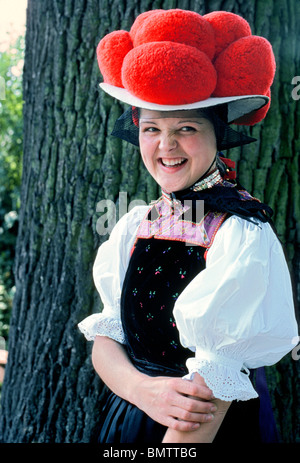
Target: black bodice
[158, 272]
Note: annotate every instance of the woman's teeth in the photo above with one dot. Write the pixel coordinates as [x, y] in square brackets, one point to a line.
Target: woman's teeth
[172, 162]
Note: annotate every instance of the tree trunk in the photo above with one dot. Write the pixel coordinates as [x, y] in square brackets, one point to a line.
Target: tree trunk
[50, 392]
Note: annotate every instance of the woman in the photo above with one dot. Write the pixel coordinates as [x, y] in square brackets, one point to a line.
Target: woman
[195, 287]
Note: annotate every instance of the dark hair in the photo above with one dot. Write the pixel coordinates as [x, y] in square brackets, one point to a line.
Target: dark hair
[217, 117]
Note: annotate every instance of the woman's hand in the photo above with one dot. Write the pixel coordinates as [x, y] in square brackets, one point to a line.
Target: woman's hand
[207, 431]
[176, 403]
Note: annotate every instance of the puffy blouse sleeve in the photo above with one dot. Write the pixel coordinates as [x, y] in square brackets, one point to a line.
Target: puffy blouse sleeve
[109, 271]
[238, 313]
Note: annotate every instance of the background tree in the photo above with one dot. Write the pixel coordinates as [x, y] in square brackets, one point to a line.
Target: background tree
[50, 392]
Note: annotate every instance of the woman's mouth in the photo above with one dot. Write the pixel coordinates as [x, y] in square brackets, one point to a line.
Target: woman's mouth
[173, 163]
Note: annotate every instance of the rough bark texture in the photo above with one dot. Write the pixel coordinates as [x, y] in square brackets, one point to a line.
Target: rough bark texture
[51, 393]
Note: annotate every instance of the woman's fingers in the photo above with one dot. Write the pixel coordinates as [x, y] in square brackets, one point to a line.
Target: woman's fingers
[176, 402]
[193, 405]
[181, 420]
[195, 388]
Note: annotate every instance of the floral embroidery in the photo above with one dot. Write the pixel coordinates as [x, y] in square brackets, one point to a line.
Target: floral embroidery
[198, 256]
[172, 321]
[174, 344]
[167, 250]
[182, 273]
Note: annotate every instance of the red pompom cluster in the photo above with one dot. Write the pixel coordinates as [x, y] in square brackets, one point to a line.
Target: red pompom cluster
[175, 57]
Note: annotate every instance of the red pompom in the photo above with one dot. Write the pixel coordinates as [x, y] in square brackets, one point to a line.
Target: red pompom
[136, 26]
[162, 72]
[228, 27]
[255, 116]
[246, 67]
[111, 51]
[176, 26]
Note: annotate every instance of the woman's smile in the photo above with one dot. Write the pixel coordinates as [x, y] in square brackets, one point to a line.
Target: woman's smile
[172, 163]
[176, 150]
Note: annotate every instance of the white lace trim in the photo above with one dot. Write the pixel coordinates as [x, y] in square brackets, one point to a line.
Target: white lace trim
[227, 382]
[101, 325]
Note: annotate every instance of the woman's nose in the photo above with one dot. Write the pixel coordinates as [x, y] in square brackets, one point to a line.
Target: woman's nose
[167, 142]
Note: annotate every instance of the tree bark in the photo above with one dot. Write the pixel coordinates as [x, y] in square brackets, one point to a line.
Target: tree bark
[50, 392]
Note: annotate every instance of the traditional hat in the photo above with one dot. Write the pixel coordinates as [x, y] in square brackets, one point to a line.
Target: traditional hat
[178, 60]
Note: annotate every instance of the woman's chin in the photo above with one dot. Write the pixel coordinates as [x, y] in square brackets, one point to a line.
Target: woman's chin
[169, 187]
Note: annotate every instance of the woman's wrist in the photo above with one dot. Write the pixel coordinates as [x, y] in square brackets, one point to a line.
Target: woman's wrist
[135, 389]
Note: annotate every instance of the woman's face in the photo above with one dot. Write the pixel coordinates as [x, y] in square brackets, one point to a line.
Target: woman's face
[177, 147]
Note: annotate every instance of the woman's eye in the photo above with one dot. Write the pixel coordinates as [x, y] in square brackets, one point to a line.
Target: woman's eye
[187, 128]
[150, 129]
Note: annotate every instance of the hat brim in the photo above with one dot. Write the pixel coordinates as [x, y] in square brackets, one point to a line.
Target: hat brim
[238, 106]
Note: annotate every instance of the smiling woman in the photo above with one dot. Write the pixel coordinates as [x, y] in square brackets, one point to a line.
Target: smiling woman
[191, 303]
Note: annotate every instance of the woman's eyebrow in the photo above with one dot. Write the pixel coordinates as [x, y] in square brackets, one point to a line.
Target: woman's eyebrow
[190, 120]
[179, 122]
[147, 121]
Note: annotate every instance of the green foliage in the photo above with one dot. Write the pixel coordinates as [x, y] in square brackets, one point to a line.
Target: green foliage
[11, 134]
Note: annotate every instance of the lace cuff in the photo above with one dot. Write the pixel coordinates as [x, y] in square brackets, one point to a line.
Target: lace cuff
[227, 378]
[101, 325]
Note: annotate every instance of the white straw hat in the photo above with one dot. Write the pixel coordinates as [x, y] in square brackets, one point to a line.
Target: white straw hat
[237, 106]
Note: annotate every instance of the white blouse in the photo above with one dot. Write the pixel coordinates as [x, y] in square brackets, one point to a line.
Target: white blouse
[236, 314]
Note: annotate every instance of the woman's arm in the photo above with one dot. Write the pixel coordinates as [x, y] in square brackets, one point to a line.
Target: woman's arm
[173, 402]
